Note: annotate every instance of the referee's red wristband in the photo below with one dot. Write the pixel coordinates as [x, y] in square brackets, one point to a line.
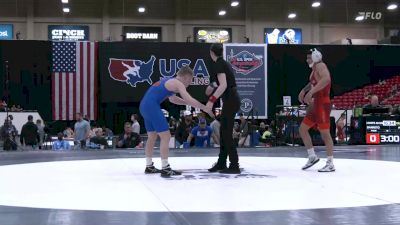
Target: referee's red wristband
[212, 99]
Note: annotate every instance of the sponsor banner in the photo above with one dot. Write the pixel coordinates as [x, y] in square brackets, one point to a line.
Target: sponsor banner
[142, 34]
[6, 31]
[212, 35]
[68, 33]
[282, 35]
[127, 70]
[249, 63]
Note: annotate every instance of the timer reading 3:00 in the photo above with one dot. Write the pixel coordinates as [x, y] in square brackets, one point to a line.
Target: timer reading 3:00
[374, 138]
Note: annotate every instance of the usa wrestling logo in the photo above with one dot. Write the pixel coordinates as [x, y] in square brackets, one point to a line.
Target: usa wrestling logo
[131, 71]
[244, 62]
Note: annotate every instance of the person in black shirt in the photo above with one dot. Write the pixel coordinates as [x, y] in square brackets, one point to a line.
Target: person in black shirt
[224, 86]
[99, 139]
[128, 139]
[29, 133]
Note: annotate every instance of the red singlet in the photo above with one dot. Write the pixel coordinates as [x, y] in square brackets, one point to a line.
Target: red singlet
[321, 109]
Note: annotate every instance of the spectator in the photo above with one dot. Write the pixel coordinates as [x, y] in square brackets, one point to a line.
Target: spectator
[3, 105]
[135, 124]
[19, 108]
[29, 134]
[374, 102]
[93, 131]
[340, 127]
[60, 143]
[367, 95]
[172, 125]
[236, 133]
[266, 135]
[184, 128]
[201, 134]
[86, 117]
[128, 139]
[68, 132]
[262, 128]
[82, 131]
[99, 140]
[215, 126]
[41, 132]
[107, 132]
[13, 108]
[8, 133]
[244, 130]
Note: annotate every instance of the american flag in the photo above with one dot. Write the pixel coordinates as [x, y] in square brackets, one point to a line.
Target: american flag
[74, 80]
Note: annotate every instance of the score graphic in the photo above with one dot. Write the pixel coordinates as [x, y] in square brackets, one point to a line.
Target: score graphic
[384, 130]
[373, 138]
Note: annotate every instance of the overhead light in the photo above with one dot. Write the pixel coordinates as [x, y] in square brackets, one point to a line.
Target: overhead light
[316, 4]
[392, 7]
[222, 12]
[141, 9]
[292, 15]
[64, 1]
[360, 18]
[66, 10]
[234, 3]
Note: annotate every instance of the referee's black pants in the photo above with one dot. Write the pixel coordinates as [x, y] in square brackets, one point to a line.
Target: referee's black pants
[231, 105]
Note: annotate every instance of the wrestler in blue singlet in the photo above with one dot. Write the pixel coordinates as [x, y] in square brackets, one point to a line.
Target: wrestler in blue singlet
[150, 109]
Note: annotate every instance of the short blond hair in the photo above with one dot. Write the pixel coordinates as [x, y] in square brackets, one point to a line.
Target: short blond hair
[185, 70]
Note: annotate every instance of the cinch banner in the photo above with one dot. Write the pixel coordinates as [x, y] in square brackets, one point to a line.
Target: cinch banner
[128, 69]
[6, 31]
[68, 33]
[249, 63]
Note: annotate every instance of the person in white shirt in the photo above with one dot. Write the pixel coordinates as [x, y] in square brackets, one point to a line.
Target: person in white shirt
[135, 124]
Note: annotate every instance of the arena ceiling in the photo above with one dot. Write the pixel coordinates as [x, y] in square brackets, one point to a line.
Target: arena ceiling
[331, 11]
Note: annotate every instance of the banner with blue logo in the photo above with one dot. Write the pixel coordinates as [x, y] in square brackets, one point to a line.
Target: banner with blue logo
[128, 69]
[249, 63]
[6, 31]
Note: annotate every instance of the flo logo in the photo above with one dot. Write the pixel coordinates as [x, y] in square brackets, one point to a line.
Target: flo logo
[369, 15]
[131, 71]
[244, 62]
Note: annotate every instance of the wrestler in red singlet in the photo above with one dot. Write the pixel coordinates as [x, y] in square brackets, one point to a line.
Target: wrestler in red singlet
[316, 95]
[321, 107]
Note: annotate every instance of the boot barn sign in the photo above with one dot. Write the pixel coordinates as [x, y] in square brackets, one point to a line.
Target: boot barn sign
[68, 33]
[142, 34]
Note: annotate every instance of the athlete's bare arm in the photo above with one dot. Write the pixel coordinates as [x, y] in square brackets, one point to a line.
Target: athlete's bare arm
[178, 87]
[177, 100]
[303, 92]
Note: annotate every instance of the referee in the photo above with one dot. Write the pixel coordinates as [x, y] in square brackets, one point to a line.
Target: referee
[223, 85]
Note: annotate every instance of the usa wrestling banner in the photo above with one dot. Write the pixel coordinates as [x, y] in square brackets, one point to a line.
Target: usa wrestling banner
[129, 69]
[249, 63]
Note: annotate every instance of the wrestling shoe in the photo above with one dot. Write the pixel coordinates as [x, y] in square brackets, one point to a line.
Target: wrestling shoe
[312, 160]
[329, 167]
[233, 169]
[151, 169]
[167, 172]
[217, 167]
